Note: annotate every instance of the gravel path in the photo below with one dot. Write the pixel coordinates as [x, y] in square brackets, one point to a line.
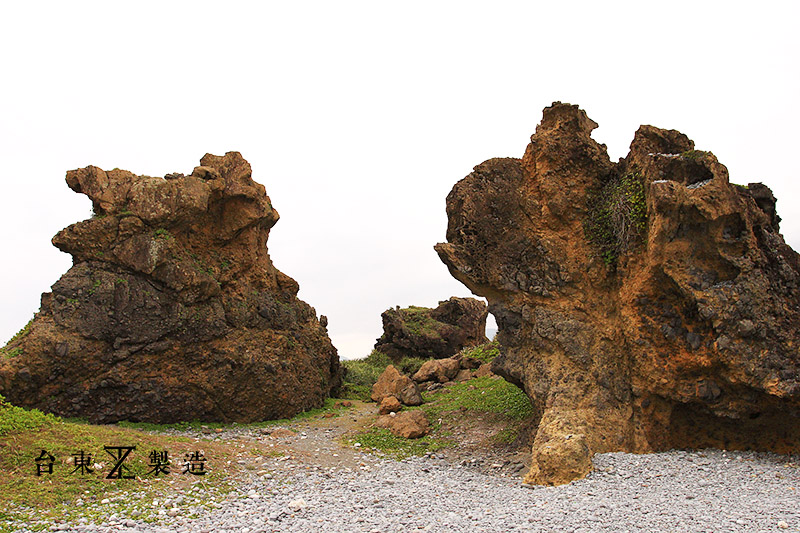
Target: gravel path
[674, 491]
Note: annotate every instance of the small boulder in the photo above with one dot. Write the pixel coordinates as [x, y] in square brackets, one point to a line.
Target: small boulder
[390, 404]
[282, 433]
[470, 363]
[410, 394]
[408, 424]
[441, 370]
[463, 375]
[392, 383]
[484, 371]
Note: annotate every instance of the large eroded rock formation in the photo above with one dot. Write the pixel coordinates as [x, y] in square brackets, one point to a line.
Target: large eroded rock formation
[642, 305]
[172, 309]
[441, 332]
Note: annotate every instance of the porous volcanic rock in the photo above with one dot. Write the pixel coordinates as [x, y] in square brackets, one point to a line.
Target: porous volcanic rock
[438, 333]
[440, 370]
[172, 309]
[642, 306]
[392, 382]
[408, 424]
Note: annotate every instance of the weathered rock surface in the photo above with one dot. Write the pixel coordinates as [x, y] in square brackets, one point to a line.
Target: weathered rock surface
[442, 332]
[392, 382]
[408, 424]
[643, 305]
[173, 309]
[441, 370]
[389, 404]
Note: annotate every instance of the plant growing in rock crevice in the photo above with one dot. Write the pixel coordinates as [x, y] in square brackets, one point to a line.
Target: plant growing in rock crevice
[617, 216]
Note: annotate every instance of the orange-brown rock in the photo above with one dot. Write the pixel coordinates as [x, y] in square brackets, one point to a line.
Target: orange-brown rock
[441, 332]
[408, 424]
[393, 383]
[172, 309]
[642, 305]
[389, 404]
[484, 371]
[441, 370]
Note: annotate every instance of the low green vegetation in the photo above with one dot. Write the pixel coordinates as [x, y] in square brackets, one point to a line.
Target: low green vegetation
[23, 332]
[95, 285]
[459, 402]
[331, 406]
[509, 406]
[418, 321]
[67, 494]
[484, 352]
[617, 217]
[506, 435]
[361, 374]
[382, 440]
[488, 395]
[11, 352]
[15, 419]
[8, 351]
[694, 154]
[162, 233]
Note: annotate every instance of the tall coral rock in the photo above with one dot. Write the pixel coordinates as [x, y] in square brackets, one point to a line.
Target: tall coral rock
[172, 309]
[642, 306]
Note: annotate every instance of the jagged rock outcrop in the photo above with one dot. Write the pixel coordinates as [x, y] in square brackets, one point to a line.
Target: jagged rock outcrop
[642, 305]
[442, 332]
[172, 309]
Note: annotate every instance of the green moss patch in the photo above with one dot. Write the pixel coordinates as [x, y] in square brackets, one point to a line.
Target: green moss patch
[617, 217]
[489, 395]
[485, 352]
[382, 440]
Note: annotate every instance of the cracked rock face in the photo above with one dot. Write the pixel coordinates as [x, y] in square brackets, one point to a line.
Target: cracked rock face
[643, 305]
[173, 309]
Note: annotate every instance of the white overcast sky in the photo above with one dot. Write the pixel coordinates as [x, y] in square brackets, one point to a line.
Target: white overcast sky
[359, 117]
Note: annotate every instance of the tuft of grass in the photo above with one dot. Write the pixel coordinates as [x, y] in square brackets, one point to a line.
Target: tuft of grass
[484, 352]
[361, 374]
[162, 233]
[11, 352]
[7, 350]
[95, 285]
[490, 395]
[694, 154]
[382, 440]
[410, 365]
[506, 435]
[15, 419]
[418, 322]
[617, 217]
[21, 334]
